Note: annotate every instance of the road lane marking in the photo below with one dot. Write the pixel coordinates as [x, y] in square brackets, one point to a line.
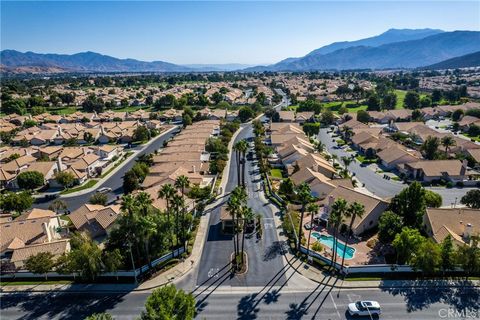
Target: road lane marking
[335, 305]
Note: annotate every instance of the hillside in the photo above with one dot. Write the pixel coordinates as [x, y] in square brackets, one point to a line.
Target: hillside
[466, 61]
[84, 61]
[404, 54]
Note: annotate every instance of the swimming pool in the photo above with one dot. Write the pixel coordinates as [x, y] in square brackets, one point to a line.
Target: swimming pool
[328, 241]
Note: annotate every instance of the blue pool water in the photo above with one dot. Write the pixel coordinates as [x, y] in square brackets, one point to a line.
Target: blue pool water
[328, 241]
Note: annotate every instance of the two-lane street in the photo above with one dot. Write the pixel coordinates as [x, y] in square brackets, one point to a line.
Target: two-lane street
[115, 181]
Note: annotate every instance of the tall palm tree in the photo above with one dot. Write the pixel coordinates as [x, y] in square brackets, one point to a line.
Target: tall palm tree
[166, 192]
[448, 142]
[143, 201]
[353, 211]
[247, 216]
[303, 194]
[241, 148]
[312, 208]
[337, 212]
[182, 183]
[233, 207]
[177, 204]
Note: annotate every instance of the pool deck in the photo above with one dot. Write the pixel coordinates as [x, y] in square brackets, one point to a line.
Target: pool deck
[363, 254]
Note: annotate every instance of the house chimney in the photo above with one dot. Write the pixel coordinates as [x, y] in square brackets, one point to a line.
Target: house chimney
[46, 230]
[59, 164]
[59, 129]
[194, 169]
[463, 170]
[102, 130]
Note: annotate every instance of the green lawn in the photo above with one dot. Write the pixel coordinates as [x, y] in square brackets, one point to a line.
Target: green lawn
[128, 154]
[401, 97]
[362, 159]
[63, 111]
[30, 283]
[276, 173]
[351, 105]
[131, 109]
[88, 184]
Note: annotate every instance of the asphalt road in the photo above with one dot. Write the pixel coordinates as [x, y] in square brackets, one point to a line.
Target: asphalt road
[264, 255]
[115, 181]
[375, 182]
[265, 303]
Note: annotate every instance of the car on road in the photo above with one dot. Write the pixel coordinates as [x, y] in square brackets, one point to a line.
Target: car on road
[364, 308]
[104, 190]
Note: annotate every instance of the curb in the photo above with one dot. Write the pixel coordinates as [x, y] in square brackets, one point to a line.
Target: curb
[104, 179]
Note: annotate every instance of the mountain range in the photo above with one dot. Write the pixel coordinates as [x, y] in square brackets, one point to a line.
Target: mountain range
[466, 61]
[393, 49]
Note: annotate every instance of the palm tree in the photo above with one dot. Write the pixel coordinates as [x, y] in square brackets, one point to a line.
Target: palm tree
[143, 201]
[58, 205]
[312, 208]
[233, 207]
[166, 192]
[182, 183]
[319, 147]
[346, 161]
[241, 148]
[353, 211]
[347, 132]
[177, 204]
[303, 194]
[337, 212]
[448, 142]
[247, 216]
[334, 158]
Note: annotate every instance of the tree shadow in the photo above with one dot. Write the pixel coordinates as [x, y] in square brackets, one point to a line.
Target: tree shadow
[274, 250]
[420, 294]
[62, 305]
[246, 308]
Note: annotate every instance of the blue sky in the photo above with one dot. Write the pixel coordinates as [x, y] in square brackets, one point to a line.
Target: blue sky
[215, 32]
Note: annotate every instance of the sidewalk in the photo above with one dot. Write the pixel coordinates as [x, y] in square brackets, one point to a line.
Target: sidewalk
[116, 169]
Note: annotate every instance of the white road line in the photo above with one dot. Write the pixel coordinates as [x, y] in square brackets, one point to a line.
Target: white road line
[335, 305]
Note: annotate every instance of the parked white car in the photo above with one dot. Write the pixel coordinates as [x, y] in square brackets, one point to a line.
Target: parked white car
[364, 308]
[104, 190]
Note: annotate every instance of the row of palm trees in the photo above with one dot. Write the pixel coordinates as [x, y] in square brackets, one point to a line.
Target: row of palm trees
[240, 148]
[339, 211]
[176, 206]
[241, 215]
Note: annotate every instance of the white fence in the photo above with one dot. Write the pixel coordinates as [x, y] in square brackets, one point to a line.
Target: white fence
[121, 273]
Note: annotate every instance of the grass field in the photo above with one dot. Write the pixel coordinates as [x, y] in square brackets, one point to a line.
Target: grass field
[276, 173]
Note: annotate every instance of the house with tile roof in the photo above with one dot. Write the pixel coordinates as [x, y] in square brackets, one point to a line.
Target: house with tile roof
[459, 223]
[96, 220]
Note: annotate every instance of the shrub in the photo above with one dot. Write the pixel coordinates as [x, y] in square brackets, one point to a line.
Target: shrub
[317, 246]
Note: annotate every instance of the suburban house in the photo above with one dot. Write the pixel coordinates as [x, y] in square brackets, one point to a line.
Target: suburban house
[430, 170]
[97, 220]
[374, 207]
[287, 116]
[34, 229]
[395, 156]
[459, 223]
[305, 116]
[316, 163]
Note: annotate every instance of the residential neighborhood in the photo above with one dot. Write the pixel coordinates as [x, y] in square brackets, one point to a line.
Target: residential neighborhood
[239, 160]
